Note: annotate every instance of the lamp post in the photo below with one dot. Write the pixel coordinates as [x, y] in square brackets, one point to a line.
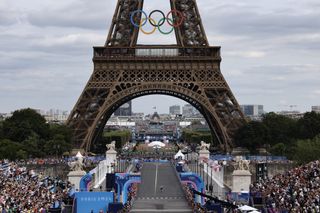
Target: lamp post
[196, 167]
[211, 187]
[113, 167]
[118, 166]
[203, 171]
[207, 177]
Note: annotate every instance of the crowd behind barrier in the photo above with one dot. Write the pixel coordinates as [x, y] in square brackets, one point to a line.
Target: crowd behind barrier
[131, 196]
[196, 207]
[23, 191]
[298, 190]
[89, 160]
[253, 158]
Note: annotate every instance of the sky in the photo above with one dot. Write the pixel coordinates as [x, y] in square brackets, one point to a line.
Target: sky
[270, 51]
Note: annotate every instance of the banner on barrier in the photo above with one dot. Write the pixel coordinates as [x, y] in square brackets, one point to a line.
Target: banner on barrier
[93, 201]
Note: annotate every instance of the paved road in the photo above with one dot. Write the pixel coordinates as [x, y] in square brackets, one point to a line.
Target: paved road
[151, 198]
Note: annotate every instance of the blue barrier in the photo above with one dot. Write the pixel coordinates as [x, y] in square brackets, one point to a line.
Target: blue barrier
[221, 157]
[196, 182]
[123, 181]
[92, 201]
[85, 182]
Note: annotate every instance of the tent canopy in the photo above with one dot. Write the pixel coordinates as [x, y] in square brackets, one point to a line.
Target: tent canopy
[247, 208]
[157, 144]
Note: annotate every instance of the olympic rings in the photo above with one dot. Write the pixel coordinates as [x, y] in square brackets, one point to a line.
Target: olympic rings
[165, 33]
[151, 21]
[163, 19]
[132, 21]
[176, 14]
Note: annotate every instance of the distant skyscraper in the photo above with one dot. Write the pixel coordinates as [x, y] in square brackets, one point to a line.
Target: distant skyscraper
[175, 109]
[252, 110]
[315, 109]
[124, 110]
[188, 110]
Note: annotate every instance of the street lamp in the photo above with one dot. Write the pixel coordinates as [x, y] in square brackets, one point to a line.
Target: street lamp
[211, 187]
[203, 171]
[196, 169]
[207, 177]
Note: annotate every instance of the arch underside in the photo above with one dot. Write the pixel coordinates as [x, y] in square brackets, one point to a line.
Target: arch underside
[112, 83]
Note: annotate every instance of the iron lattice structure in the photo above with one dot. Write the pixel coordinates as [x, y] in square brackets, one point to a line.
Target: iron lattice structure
[124, 70]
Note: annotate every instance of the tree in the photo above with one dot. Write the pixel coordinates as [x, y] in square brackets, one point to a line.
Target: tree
[57, 146]
[32, 146]
[23, 124]
[58, 129]
[21, 154]
[309, 126]
[252, 136]
[34, 136]
[281, 128]
[307, 150]
[9, 149]
[1, 130]
[279, 149]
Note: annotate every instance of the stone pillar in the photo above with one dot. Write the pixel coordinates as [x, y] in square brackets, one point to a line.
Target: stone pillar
[241, 180]
[204, 154]
[111, 157]
[74, 178]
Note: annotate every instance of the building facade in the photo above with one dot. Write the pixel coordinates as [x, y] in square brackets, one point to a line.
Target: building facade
[174, 110]
[252, 111]
[124, 110]
[188, 110]
[315, 109]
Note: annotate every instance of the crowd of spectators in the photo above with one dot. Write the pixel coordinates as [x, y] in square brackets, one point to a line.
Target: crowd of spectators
[89, 161]
[132, 194]
[23, 191]
[41, 161]
[298, 190]
[196, 207]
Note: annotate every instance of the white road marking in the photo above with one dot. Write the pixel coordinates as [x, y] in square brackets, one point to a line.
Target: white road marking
[156, 180]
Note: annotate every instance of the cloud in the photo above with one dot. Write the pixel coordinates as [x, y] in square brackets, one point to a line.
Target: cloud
[69, 39]
[270, 49]
[7, 17]
[246, 54]
[79, 14]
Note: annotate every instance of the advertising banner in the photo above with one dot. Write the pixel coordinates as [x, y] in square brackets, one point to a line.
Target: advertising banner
[92, 202]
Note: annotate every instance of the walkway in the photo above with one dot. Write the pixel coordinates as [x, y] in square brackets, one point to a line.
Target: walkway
[151, 198]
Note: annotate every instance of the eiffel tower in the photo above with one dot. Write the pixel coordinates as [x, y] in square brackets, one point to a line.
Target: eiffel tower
[124, 70]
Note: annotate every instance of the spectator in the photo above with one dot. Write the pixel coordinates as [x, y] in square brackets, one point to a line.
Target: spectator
[23, 191]
[298, 190]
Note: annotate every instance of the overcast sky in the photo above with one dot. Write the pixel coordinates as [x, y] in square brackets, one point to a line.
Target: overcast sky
[270, 50]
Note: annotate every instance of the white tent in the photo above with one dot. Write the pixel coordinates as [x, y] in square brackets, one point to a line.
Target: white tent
[246, 208]
[254, 211]
[156, 144]
[179, 154]
[79, 155]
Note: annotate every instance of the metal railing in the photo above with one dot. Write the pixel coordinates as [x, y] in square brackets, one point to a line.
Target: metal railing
[151, 52]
